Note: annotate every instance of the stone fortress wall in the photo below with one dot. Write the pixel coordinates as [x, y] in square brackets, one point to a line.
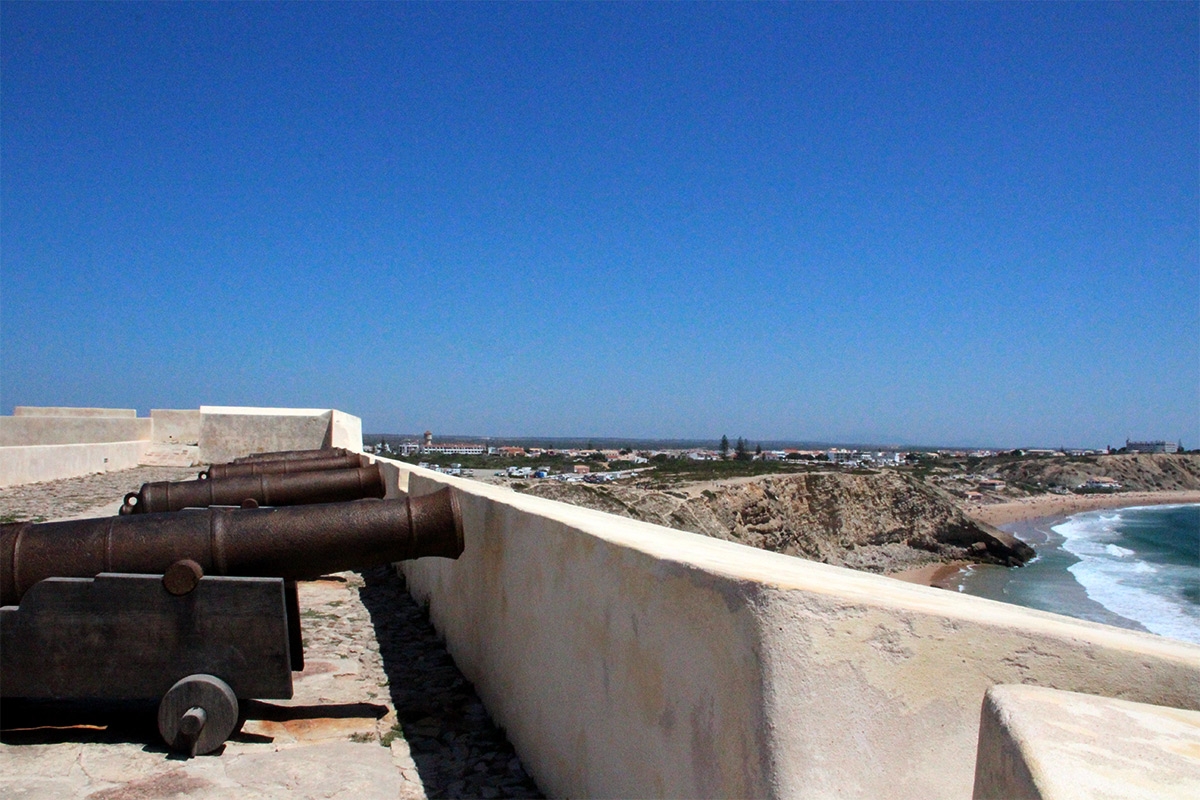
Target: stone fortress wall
[630, 660]
[42, 444]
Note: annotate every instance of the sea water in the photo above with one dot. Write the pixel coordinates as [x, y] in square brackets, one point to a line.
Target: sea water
[1136, 568]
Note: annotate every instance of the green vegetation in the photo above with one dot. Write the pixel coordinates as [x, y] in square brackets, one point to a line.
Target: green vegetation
[686, 469]
[19, 518]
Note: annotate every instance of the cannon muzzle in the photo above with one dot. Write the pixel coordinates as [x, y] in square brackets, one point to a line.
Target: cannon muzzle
[348, 461]
[293, 543]
[267, 489]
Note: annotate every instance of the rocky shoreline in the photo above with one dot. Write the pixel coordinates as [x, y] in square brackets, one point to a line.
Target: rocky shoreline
[880, 522]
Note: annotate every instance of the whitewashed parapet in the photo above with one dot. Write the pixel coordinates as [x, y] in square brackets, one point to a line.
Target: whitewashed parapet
[1044, 743]
[100, 440]
[629, 660]
[176, 426]
[36, 430]
[228, 432]
[69, 411]
[50, 462]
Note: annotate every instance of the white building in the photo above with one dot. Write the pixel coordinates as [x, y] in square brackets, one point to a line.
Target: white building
[1157, 446]
[456, 449]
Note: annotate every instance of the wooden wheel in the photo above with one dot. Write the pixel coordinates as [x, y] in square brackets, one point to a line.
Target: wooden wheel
[197, 714]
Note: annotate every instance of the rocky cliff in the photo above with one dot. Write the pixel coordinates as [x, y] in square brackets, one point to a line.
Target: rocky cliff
[879, 522]
[1135, 472]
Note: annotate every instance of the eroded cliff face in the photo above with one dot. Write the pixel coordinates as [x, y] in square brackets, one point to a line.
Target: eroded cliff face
[879, 522]
[1135, 472]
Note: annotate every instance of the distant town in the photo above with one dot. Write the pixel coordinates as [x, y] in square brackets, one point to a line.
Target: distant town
[591, 464]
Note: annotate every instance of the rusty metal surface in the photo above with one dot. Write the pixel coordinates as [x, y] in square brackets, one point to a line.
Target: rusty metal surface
[127, 637]
[293, 543]
[292, 455]
[348, 461]
[267, 489]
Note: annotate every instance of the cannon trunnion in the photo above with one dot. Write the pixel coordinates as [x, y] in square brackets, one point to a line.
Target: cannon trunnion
[195, 609]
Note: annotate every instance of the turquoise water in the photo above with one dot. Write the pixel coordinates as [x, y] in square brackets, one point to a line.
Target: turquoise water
[1135, 567]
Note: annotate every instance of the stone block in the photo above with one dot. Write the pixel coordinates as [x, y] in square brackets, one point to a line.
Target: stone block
[1048, 744]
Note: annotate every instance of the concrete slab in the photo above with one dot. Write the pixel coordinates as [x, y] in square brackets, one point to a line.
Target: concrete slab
[1053, 745]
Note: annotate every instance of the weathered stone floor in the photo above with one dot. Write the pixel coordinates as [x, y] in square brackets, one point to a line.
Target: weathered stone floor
[71, 497]
[380, 710]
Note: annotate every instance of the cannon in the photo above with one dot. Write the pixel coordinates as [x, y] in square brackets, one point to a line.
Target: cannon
[348, 461]
[292, 455]
[267, 489]
[192, 609]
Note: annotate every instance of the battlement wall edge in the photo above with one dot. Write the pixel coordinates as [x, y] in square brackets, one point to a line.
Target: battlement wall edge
[629, 660]
[42, 444]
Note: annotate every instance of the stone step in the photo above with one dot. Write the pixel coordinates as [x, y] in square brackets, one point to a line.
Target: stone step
[171, 455]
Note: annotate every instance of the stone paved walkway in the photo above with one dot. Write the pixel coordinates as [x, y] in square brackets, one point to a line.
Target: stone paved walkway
[380, 710]
[73, 496]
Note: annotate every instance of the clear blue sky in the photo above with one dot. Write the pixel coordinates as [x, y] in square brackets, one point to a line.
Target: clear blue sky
[965, 224]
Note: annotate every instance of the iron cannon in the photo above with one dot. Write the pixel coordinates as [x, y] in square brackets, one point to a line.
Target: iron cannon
[191, 609]
[286, 465]
[292, 455]
[266, 489]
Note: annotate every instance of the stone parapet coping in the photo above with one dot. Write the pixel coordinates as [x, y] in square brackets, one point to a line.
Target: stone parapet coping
[627, 659]
[1044, 743]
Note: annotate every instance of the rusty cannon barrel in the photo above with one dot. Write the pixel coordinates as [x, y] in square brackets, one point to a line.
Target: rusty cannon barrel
[292, 455]
[268, 489]
[293, 543]
[348, 461]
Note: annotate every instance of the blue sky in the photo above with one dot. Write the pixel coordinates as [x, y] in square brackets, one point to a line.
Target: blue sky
[972, 224]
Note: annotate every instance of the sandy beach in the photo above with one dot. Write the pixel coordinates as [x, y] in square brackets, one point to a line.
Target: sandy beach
[1056, 505]
[940, 576]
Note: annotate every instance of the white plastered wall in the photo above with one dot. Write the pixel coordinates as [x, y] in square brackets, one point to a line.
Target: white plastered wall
[42, 444]
[625, 659]
[35, 463]
[36, 430]
[45, 443]
[176, 426]
[228, 432]
[345, 430]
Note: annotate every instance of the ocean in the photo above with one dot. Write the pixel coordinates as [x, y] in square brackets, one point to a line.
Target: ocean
[1134, 567]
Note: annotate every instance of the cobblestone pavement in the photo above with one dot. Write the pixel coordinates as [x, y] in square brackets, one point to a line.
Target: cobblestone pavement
[380, 710]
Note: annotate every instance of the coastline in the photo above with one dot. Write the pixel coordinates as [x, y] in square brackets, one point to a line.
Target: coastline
[1056, 505]
[939, 576]
[1030, 511]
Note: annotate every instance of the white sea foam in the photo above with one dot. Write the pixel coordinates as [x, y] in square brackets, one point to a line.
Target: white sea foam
[1116, 578]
